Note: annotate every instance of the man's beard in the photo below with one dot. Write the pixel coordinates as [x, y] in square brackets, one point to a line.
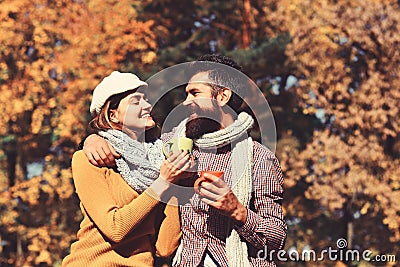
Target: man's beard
[205, 121]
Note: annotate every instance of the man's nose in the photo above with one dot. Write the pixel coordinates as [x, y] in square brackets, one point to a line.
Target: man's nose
[187, 101]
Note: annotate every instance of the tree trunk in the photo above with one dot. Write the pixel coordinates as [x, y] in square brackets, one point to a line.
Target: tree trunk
[246, 24]
[11, 163]
[349, 229]
[18, 261]
[350, 234]
[10, 150]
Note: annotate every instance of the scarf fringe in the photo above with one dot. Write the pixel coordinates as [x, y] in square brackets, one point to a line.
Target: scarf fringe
[236, 250]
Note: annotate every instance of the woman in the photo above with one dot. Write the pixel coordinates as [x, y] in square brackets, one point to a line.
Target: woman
[124, 222]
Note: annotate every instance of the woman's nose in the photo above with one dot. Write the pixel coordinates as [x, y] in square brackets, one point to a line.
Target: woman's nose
[146, 105]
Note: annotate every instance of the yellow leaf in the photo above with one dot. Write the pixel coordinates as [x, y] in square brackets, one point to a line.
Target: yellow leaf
[364, 209]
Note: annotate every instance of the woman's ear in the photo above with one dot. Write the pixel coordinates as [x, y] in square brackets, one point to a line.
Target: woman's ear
[223, 96]
[114, 116]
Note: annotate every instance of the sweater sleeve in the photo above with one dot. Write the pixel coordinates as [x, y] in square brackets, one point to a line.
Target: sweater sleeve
[92, 188]
[170, 230]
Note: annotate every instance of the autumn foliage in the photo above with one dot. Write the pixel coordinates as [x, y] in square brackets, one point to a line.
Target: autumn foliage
[53, 54]
[347, 60]
[329, 69]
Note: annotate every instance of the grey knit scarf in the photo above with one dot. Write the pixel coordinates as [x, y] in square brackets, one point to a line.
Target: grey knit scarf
[139, 163]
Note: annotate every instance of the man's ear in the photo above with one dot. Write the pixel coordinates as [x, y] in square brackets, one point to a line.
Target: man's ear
[223, 96]
[114, 116]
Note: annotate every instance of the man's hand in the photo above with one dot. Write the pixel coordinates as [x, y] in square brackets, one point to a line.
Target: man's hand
[99, 152]
[216, 193]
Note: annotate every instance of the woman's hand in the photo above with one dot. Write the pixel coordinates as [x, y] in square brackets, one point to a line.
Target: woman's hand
[176, 167]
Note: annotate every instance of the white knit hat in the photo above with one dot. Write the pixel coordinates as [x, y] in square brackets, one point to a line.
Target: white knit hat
[113, 84]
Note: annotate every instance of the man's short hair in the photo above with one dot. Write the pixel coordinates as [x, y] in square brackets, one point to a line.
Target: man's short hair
[222, 75]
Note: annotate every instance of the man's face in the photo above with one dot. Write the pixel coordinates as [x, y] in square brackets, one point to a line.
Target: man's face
[205, 113]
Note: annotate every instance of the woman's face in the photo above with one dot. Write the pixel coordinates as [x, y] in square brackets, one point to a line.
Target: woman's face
[133, 113]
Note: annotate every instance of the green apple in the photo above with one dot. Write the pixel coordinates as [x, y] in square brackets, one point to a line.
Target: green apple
[177, 144]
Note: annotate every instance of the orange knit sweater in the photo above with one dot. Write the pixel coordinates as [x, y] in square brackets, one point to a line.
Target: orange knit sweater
[119, 226]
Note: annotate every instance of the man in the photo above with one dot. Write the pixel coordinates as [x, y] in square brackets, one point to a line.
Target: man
[234, 218]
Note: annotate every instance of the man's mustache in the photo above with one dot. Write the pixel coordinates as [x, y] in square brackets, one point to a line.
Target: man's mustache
[195, 109]
[202, 121]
